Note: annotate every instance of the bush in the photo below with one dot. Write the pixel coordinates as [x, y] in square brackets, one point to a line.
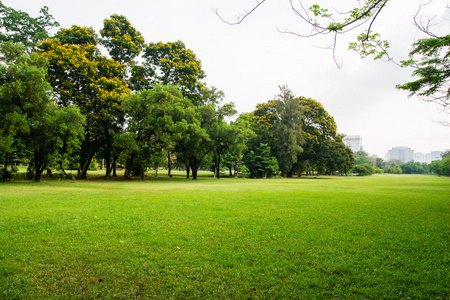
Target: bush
[363, 169]
[394, 169]
[378, 171]
[260, 163]
[412, 168]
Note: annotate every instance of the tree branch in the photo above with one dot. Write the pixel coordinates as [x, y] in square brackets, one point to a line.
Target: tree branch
[241, 17]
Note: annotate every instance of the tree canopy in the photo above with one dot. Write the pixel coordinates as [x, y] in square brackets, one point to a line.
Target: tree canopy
[144, 105]
[31, 123]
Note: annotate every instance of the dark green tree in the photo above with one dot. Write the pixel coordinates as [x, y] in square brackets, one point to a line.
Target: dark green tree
[287, 131]
[364, 169]
[260, 163]
[29, 114]
[412, 168]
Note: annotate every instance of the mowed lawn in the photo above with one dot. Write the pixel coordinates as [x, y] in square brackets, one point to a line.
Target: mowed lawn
[378, 237]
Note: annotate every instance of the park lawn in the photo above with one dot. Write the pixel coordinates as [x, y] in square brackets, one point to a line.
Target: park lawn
[378, 237]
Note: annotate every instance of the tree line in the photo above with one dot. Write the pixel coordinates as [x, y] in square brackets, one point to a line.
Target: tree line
[63, 103]
[366, 164]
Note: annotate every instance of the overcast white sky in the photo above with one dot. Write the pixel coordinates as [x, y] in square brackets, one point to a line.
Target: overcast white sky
[249, 61]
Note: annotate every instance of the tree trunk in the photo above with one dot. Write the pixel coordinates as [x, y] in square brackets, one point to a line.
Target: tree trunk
[83, 168]
[108, 168]
[169, 164]
[188, 170]
[142, 172]
[194, 166]
[194, 173]
[39, 165]
[49, 173]
[39, 171]
[129, 167]
[115, 169]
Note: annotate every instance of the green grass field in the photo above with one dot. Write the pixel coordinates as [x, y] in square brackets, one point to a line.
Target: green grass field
[378, 237]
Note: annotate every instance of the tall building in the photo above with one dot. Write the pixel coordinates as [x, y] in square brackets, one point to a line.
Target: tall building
[436, 155]
[403, 154]
[419, 157]
[354, 142]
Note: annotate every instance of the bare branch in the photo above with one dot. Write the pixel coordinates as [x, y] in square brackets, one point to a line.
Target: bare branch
[241, 17]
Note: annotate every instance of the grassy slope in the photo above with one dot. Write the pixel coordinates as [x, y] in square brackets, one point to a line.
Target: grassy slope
[377, 237]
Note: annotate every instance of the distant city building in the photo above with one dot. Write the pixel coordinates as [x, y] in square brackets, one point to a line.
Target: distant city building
[428, 158]
[354, 142]
[436, 155]
[403, 154]
[419, 157]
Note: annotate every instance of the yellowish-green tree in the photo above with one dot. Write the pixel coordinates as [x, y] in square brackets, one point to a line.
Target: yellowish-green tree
[80, 75]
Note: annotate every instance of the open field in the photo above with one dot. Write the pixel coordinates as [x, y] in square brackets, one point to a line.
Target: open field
[379, 237]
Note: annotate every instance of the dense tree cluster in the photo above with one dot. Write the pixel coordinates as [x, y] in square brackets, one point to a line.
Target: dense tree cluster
[65, 104]
[301, 135]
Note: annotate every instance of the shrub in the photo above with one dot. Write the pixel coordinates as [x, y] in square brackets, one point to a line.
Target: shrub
[260, 163]
[363, 169]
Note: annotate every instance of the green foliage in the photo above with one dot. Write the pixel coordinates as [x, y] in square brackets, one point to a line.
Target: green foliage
[432, 70]
[18, 27]
[80, 75]
[122, 40]
[380, 163]
[362, 17]
[77, 35]
[412, 168]
[323, 148]
[162, 118]
[445, 166]
[378, 171]
[361, 157]
[174, 64]
[440, 167]
[287, 130]
[33, 124]
[394, 169]
[260, 163]
[363, 169]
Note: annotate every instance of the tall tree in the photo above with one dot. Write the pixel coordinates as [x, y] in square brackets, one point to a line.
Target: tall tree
[80, 75]
[19, 27]
[287, 131]
[122, 40]
[173, 63]
[159, 118]
[25, 97]
[318, 128]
